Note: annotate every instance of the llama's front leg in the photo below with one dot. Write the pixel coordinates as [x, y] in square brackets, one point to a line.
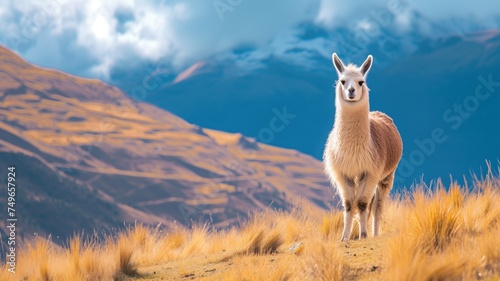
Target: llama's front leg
[363, 217]
[347, 194]
[348, 219]
[367, 187]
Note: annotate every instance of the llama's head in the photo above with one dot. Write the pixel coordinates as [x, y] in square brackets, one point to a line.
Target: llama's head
[351, 84]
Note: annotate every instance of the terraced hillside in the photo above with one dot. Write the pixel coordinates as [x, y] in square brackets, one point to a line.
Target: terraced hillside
[89, 157]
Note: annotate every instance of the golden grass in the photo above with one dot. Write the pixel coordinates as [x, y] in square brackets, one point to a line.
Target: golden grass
[448, 235]
[428, 234]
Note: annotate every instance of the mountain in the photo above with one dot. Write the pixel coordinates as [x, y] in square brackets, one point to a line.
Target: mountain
[419, 86]
[89, 157]
[451, 86]
[219, 97]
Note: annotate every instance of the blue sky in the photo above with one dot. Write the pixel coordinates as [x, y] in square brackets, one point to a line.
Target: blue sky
[92, 38]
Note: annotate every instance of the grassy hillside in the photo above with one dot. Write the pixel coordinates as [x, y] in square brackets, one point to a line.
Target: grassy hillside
[83, 144]
[438, 233]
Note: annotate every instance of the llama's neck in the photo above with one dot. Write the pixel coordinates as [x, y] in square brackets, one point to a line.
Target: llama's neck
[352, 125]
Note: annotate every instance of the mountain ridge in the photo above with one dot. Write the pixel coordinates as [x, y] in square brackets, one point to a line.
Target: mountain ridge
[431, 78]
[133, 160]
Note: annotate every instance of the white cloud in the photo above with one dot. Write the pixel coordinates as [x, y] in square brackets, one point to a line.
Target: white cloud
[147, 35]
[327, 13]
[99, 35]
[180, 32]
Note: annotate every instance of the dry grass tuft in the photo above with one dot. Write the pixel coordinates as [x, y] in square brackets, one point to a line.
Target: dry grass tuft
[125, 252]
[323, 261]
[255, 242]
[434, 220]
[272, 242]
[332, 223]
[264, 242]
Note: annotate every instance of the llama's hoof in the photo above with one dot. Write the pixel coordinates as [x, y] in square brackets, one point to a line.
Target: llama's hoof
[343, 239]
[363, 235]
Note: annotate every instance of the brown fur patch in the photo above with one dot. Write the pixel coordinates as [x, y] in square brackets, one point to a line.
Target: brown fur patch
[347, 206]
[349, 181]
[387, 141]
[362, 205]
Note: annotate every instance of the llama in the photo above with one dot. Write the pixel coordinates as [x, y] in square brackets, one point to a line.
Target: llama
[362, 151]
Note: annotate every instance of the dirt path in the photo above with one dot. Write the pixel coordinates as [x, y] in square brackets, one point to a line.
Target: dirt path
[365, 260]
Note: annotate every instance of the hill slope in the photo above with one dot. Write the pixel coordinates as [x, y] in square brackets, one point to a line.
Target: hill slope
[84, 146]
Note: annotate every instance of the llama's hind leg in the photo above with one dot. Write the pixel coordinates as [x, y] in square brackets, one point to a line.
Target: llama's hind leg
[375, 212]
[381, 193]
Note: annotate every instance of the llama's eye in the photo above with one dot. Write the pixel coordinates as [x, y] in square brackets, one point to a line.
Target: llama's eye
[361, 83]
[342, 81]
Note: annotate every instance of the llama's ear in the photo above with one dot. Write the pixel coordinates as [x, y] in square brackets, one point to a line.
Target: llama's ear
[367, 65]
[337, 63]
